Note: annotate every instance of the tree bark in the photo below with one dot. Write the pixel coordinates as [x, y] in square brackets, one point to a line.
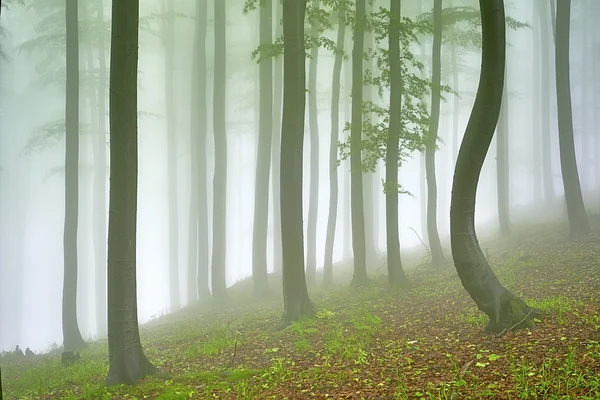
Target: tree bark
[99, 197]
[295, 294]
[169, 44]
[218, 277]
[276, 145]
[549, 193]
[313, 195]
[72, 339]
[127, 361]
[396, 274]
[505, 311]
[333, 145]
[356, 170]
[578, 221]
[502, 163]
[536, 161]
[437, 253]
[263, 162]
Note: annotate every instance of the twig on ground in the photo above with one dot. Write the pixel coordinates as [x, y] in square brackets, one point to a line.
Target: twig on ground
[464, 369]
[515, 325]
[231, 364]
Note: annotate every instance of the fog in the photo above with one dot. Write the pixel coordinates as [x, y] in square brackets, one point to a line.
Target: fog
[32, 97]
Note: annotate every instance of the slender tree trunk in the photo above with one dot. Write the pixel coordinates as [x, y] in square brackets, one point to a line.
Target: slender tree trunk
[263, 162]
[456, 102]
[99, 197]
[295, 294]
[502, 163]
[584, 128]
[536, 158]
[545, 104]
[72, 339]
[127, 361]
[313, 196]
[169, 44]
[578, 221]
[356, 169]
[333, 145]
[219, 284]
[395, 272]
[505, 311]
[553, 18]
[346, 173]
[437, 253]
[423, 196]
[276, 145]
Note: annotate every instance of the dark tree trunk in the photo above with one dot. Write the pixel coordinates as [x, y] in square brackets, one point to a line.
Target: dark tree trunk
[356, 170]
[313, 194]
[578, 221]
[394, 263]
[127, 361]
[198, 247]
[502, 163]
[545, 114]
[276, 145]
[72, 339]
[435, 246]
[505, 311]
[295, 294]
[99, 201]
[218, 277]
[333, 146]
[199, 115]
[169, 44]
[263, 158]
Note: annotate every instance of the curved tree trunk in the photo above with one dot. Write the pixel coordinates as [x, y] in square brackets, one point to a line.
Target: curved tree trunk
[395, 272]
[505, 311]
[218, 277]
[313, 195]
[276, 145]
[356, 170]
[263, 158]
[578, 221]
[333, 145]
[127, 361]
[437, 253]
[295, 294]
[169, 44]
[502, 163]
[72, 339]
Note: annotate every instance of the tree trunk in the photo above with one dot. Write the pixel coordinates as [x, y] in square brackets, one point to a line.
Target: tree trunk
[396, 274]
[346, 173]
[72, 339]
[505, 311]
[313, 195]
[356, 170]
[545, 78]
[99, 197]
[263, 159]
[455, 103]
[219, 284]
[536, 162]
[169, 44]
[333, 145]
[502, 163]
[578, 221]
[127, 361]
[295, 294]
[276, 145]
[437, 253]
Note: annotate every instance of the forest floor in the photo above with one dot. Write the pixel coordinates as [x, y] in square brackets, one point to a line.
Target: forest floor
[424, 342]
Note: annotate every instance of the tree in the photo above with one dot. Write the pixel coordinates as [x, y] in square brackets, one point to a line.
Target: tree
[168, 38]
[578, 221]
[127, 360]
[502, 171]
[396, 274]
[72, 339]
[356, 180]
[333, 145]
[313, 120]
[505, 310]
[219, 242]
[263, 157]
[437, 253]
[276, 145]
[295, 294]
